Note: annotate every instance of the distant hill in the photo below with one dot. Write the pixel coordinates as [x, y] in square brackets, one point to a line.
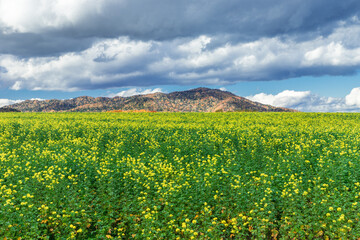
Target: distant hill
[8, 109]
[195, 100]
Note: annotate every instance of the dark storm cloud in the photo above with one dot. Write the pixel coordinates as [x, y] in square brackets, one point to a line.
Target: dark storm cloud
[53, 31]
[163, 20]
[27, 45]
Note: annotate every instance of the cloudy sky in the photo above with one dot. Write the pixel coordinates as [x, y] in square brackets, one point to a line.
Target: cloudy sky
[303, 54]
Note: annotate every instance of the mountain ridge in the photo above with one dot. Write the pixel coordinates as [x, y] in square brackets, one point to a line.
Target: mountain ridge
[193, 100]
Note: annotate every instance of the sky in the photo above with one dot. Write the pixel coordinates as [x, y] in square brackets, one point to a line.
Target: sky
[301, 54]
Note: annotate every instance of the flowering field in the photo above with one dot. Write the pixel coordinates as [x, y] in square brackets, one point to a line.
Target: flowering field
[179, 176]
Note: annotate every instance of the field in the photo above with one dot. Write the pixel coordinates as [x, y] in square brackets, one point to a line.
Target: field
[179, 176]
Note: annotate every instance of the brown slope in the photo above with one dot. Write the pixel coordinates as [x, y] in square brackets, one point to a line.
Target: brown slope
[194, 100]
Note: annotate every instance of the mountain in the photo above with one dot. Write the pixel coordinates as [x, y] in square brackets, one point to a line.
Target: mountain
[195, 100]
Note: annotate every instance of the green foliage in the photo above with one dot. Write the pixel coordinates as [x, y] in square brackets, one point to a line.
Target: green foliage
[179, 176]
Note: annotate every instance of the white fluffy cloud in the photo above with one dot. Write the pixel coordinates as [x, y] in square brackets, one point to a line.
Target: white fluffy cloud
[309, 102]
[6, 102]
[136, 91]
[41, 15]
[106, 63]
[353, 98]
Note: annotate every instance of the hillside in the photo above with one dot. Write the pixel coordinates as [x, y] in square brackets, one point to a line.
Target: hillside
[195, 100]
[8, 109]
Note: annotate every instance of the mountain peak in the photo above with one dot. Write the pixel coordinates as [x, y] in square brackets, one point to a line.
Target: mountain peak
[201, 89]
[204, 90]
